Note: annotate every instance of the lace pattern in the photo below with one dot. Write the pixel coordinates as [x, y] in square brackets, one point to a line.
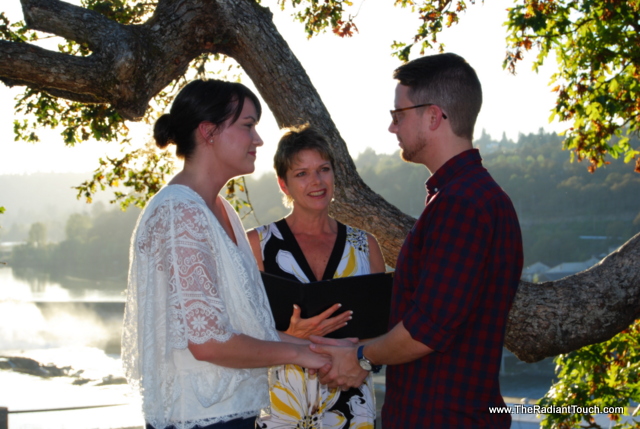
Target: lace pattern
[188, 282]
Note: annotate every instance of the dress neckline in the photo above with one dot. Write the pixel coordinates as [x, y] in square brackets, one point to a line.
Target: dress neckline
[296, 250]
[226, 206]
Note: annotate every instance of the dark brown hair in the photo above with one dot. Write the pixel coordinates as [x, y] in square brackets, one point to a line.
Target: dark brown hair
[201, 100]
[448, 81]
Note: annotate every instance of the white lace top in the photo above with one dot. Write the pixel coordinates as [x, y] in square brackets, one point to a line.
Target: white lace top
[188, 282]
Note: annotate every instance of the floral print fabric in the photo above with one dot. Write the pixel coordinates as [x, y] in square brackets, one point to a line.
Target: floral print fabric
[298, 400]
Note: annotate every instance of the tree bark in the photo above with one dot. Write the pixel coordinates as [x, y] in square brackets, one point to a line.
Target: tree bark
[129, 64]
[286, 88]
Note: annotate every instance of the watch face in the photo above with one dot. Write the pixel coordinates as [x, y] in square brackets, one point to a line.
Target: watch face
[365, 364]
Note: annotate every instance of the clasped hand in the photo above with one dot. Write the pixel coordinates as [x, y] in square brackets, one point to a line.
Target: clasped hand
[345, 371]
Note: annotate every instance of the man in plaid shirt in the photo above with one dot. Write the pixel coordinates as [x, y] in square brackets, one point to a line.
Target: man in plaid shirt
[457, 272]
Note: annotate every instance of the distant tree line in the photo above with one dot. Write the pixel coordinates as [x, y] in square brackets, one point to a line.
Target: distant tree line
[558, 202]
[96, 247]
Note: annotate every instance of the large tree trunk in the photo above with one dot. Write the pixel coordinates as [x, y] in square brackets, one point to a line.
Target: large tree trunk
[130, 64]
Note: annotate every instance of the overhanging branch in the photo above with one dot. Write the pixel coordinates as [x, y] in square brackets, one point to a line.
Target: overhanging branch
[26, 64]
[69, 21]
[129, 64]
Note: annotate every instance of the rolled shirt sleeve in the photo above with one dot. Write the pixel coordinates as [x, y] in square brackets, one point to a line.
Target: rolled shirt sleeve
[453, 258]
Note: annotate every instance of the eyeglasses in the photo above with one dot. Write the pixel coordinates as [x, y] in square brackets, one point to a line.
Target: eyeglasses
[394, 113]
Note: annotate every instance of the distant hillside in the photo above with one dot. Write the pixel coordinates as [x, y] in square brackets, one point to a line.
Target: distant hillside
[41, 197]
[566, 213]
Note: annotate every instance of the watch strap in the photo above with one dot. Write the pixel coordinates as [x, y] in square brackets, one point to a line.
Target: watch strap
[360, 354]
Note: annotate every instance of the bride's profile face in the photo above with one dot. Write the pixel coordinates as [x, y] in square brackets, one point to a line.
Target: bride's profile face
[236, 144]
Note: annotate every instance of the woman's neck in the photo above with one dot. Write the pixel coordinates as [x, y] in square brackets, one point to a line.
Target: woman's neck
[201, 180]
[311, 223]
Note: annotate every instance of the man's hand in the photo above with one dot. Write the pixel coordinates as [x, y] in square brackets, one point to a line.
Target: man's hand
[345, 371]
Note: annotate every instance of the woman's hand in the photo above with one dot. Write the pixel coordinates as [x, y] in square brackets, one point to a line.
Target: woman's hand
[313, 361]
[319, 325]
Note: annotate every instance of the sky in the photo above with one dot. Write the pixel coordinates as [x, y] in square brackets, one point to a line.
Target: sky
[353, 78]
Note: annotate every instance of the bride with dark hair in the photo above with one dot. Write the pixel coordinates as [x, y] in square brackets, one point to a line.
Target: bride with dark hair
[198, 332]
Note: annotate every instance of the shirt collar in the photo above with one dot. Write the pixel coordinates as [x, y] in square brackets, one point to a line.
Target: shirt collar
[450, 169]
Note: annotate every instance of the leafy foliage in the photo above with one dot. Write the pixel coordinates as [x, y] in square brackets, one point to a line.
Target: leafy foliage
[596, 42]
[597, 46]
[603, 375]
[238, 195]
[79, 122]
[126, 12]
[17, 32]
[435, 16]
[142, 171]
[37, 235]
[318, 15]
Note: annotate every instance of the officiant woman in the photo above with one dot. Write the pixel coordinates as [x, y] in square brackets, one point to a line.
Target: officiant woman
[198, 332]
[308, 245]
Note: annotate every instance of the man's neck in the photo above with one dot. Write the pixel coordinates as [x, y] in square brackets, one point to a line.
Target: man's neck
[445, 151]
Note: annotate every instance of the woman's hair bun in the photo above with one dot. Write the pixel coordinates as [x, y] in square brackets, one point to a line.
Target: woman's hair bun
[163, 131]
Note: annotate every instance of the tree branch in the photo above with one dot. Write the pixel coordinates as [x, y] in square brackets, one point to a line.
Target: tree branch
[127, 68]
[285, 86]
[26, 64]
[69, 21]
[129, 64]
[590, 307]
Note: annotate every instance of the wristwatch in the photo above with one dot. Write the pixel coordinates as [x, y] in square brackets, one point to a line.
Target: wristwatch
[366, 363]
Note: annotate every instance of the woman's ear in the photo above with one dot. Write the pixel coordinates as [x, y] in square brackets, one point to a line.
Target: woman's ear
[283, 186]
[207, 131]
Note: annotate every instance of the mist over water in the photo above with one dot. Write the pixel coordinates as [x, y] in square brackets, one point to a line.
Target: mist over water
[76, 332]
[76, 327]
[50, 317]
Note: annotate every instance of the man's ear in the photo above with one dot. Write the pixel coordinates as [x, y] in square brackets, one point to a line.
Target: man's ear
[207, 131]
[283, 186]
[436, 116]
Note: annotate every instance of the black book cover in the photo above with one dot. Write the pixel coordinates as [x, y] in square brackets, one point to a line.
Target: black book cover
[368, 296]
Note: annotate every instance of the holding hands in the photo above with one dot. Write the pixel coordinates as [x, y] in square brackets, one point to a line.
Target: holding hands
[335, 360]
[345, 371]
[312, 361]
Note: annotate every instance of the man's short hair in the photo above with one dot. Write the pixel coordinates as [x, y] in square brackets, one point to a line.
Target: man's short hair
[448, 81]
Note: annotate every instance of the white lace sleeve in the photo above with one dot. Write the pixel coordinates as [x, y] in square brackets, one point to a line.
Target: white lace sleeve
[186, 258]
[188, 282]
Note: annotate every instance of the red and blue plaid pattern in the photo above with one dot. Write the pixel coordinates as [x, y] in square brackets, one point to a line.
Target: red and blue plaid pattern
[456, 277]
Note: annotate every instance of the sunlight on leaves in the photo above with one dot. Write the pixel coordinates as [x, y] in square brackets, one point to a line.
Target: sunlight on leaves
[603, 375]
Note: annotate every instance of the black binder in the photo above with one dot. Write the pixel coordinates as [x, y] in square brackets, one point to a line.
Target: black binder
[368, 296]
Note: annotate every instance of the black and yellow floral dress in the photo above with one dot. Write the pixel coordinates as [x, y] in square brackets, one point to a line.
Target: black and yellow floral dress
[297, 399]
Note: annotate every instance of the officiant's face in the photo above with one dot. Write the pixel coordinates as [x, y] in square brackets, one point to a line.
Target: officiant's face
[309, 181]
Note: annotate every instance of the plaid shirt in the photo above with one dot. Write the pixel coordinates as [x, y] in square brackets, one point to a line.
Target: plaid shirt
[455, 280]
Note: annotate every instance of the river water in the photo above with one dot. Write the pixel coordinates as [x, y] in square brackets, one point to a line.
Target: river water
[76, 325]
